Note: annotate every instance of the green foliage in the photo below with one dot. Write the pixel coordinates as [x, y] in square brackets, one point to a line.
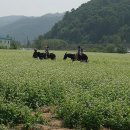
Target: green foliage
[121, 49]
[110, 48]
[14, 44]
[3, 127]
[14, 114]
[3, 47]
[54, 44]
[98, 21]
[87, 96]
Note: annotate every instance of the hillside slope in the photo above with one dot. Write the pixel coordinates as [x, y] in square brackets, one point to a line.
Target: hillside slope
[98, 21]
[6, 20]
[30, 27]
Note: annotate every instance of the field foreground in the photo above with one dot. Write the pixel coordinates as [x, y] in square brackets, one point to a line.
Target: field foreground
[86, 95]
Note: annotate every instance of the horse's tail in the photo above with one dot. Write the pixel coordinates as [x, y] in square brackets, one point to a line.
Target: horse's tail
[54, 57]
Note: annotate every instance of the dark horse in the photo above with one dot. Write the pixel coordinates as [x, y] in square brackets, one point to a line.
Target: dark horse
[52, 56]
[35, 54]
[82, 58]
[43, 55]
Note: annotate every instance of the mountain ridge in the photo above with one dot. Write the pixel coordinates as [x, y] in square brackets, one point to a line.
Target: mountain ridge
[23, 28]
[97, 21]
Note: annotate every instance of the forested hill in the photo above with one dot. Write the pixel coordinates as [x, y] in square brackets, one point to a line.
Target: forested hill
[98, 21]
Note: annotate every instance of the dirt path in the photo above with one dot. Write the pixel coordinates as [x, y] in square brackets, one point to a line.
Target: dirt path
[52, 122]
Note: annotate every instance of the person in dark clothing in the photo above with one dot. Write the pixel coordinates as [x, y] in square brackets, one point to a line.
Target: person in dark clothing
[47, 51]
[78, 53]
[81, 51]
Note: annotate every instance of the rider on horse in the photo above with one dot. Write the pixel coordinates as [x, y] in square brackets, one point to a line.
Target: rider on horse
[47, 51]
[78, 53]
[81, 51]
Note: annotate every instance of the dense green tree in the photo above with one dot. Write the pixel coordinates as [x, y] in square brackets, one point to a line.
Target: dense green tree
[95, 22]
[54, 44]
[15, 44]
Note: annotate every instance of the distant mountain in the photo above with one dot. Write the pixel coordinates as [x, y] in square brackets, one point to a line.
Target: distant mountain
[9, 19]
[22, 28]
[97, 21]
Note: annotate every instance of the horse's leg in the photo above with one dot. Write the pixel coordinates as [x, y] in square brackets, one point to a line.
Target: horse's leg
[73, 59]
[86, 60]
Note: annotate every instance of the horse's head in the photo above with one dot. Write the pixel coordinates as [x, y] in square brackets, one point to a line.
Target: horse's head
[65, 56]
[35, 50]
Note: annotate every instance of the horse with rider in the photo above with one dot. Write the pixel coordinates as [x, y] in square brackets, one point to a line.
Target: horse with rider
[45, 55]
[79, 56]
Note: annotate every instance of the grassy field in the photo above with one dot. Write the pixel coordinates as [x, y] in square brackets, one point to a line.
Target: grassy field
[87, 95]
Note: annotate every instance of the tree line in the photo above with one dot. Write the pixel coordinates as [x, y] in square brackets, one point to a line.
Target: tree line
[102, 22]
[98, 25]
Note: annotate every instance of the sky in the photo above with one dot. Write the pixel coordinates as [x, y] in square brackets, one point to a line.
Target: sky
[37, 7]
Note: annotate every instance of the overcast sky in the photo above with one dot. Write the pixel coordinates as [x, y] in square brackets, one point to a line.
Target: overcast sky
[37, 7]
